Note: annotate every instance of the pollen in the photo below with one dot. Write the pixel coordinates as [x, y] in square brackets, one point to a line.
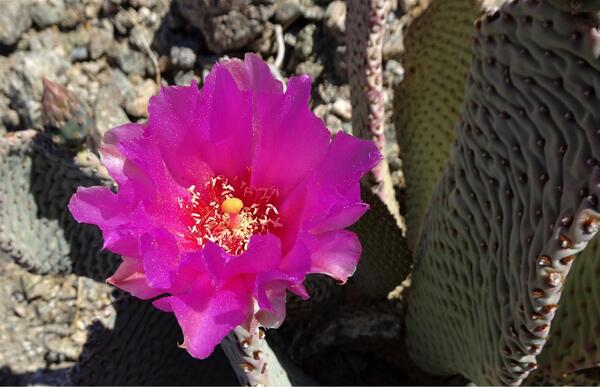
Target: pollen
[232, 205]
[228, 212]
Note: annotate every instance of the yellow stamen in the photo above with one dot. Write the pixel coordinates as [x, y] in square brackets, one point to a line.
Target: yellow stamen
[232, 205]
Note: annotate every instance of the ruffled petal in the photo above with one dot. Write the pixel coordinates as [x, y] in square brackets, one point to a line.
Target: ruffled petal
[177, 118]
[206, 314]
[134, 159]
[97, 205]
[121, 225]
[254, 74]
[273, 316]
[347, 159]
[329, 198]
[160, 258]
[291, 139]
[131, 278]
[204, 133]
[263, 254]
[335, 253]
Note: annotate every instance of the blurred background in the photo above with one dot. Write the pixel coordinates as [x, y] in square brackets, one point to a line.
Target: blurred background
[100, 61]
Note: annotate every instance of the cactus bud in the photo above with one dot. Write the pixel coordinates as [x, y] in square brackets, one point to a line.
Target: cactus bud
[65, 116]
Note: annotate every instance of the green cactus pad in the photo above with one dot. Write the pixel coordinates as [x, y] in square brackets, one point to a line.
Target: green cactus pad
[386, 260]
[577, 5]
[427, 102]
[575, 333]
[518, 198]
[36, 228]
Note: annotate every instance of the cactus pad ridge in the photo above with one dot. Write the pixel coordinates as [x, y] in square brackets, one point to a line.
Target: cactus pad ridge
[517, 201]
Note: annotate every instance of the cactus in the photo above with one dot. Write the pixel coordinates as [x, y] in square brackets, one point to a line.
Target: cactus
[502, 231]
[65, 116]
[36, 229]
[366, 27]
[438, 52]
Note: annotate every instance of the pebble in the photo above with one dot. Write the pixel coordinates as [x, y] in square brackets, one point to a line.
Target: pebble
[393, 42]
[101, 39]
[287, 12]
[137, 102]
[15, 19]
[184, 78]
[342, 108]
[183, 57]
[335, 21]
[25, 82]
[128, 60]
[47, 13]
[20, 310]
[227, 26]
[79, 53]
[107, 111]
[73, 15]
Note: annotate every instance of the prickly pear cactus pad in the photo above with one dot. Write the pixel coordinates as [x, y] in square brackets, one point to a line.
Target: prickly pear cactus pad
[575, 333]
[427, 103]
[386, 260]
[577, 5]
[36, 230]
[517, 201]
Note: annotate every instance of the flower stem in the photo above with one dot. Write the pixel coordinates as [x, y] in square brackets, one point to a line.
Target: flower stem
[253, 361]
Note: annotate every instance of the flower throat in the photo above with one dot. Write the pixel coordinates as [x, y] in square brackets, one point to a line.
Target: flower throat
[228, 213]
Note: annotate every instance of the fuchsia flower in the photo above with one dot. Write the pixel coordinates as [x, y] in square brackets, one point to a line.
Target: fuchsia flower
[228, 196]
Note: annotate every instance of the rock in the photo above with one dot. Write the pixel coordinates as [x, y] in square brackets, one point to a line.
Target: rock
[305, 43]
[140, 37]
[79, 53]
[333, 123]
[101, 39]
[14, 20]
[312, 67]
[342, 108]
[185, 78]
[47, 13]
[73, 15]
[287, 12]
[48, 38]
[107, 111]
[128, 60]
[227, 24]
[123, 22]
[394, 72]
[183, 57]
[25, 82]
[335, 21]
[314, 13]
[137, 101]
[393, 42]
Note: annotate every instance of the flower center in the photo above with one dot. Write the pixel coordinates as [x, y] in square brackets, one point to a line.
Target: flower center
[228, 212]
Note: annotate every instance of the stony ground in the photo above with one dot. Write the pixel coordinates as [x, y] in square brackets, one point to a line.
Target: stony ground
[114, 54]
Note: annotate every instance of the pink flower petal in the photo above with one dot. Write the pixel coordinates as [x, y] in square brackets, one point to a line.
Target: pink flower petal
[253, 74]
[204, 132]
[291, 139]
[263, 254]
[207, 314]
[356, 156]
[160, 258]
[273, 316]
[130, 277]
[335, 253]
